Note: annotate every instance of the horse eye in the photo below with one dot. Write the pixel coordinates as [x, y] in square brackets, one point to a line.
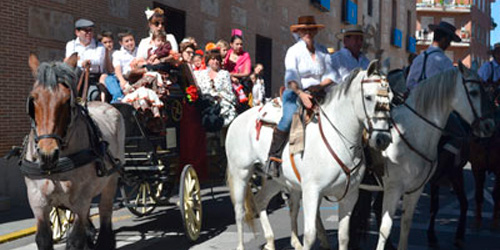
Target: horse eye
[474, 93]
[368, 98]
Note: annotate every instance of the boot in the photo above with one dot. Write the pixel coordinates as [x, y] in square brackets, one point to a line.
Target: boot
[277, 146]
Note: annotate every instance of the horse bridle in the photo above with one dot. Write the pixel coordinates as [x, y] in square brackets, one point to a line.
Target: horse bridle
[30, 109]
[383, 91]
[477, 118]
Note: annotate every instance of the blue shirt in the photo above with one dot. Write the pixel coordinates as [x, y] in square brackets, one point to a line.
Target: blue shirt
[343, 62]
[485, 71]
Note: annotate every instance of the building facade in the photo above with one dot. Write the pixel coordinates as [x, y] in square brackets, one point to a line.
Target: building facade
[44, 27]
[472, 18]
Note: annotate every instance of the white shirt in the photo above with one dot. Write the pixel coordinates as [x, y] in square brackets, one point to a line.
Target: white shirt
[301, 68]
[437, 62]
[95, 52]
[123, 58]
[485, 71]
[146, 44]
[343, 63]
[258, 92]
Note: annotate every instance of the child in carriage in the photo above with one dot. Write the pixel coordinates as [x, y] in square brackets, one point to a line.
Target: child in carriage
[152, 84]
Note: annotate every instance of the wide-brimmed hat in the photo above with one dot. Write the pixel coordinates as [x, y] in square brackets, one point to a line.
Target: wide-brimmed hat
[446, 28]
[495, 47]
[306, 22]
[351, 30]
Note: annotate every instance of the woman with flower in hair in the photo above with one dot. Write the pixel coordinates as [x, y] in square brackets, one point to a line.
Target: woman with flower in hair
[238, 63]
[156, 21]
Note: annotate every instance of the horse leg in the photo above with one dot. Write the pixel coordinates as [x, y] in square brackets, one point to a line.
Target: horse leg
[106, 239]
[311, 198]
[266, 193]
[79, 237]
[43, 236]
[323, 238]
[359, 218]
[457, 180]
[345, 210]
[431, 233]
[238, 188]
[294, 204]
[479, 178]
[496, 207]
[409, 204]
[391, 199]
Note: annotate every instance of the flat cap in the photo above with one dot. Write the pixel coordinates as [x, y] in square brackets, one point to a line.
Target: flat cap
[83, 23]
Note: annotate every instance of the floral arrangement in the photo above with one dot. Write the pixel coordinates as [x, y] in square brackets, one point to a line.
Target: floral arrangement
[192, 93]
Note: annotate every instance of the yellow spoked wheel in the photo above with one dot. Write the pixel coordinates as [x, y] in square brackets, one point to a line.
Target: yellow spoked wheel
[60, 220]
[190, 202]
[139, 198]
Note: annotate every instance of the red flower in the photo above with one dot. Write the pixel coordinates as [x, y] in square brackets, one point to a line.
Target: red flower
[192, 93]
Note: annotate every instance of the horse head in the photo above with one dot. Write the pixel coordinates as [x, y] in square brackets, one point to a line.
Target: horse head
[480, 110]
[375, 105]
[50, 106]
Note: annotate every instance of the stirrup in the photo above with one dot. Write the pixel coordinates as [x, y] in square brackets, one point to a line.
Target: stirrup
[273, 167]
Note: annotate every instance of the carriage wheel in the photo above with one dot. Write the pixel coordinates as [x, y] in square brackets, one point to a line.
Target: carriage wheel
[176, 110]
[162, 189]
[60, 220]
[190, 202]
[138, 199]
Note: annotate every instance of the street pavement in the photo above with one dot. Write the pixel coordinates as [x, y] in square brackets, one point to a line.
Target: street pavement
[163, 229]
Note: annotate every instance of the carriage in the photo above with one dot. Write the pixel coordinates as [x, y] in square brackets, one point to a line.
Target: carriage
[152, 172]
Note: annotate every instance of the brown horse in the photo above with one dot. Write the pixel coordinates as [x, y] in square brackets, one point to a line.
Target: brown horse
[62, 166]
[485, 158]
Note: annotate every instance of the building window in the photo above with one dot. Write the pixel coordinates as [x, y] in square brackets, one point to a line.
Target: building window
[394, 14]
[350, 11]
[370, 7]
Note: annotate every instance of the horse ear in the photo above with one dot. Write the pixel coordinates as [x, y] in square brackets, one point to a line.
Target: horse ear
[34, 63]
[373, 67]
[72, 60]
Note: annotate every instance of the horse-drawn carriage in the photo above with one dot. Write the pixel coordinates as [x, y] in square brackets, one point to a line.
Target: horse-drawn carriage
[153, 171]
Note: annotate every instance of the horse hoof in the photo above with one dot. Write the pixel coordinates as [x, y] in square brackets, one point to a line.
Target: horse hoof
[459, 243]
[269, 247]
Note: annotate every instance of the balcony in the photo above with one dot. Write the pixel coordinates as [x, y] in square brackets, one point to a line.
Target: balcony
[445, 7]
[425, 38]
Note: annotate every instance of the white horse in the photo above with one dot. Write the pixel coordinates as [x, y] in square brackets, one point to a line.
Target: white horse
[361, 102]
[411, 157]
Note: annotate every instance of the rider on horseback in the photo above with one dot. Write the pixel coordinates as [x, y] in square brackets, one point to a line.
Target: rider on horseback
[432, 62]
[308, 66]
[490, 72]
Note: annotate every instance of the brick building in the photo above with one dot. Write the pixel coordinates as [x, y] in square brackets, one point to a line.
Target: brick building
[472, 18]
[44, 27]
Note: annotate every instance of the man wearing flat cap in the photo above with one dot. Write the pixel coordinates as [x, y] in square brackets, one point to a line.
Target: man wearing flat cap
[90, 52]
[433, 60]
[490, 72]
[350, 56]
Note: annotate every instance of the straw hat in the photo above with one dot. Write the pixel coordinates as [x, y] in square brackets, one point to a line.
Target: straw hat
[306, 22]
[351, 30]
[446, 28]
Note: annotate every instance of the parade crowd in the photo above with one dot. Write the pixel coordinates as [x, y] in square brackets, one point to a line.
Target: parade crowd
[141, 74]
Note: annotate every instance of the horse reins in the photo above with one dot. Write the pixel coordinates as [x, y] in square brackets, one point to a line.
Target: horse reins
[85, 75]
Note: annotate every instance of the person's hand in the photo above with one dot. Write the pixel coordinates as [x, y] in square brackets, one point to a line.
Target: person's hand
[306, 99]
[235, 79]
[86, 63]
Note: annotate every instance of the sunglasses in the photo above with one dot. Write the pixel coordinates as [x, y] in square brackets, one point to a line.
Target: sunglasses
[86, 30]
[158, 24]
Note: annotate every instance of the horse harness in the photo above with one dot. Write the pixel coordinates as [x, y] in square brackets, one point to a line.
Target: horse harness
[383, 92]
[476, 121]
[98, 152]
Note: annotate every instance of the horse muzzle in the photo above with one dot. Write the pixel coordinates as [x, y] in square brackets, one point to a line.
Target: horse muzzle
[48, 160]
[485, 128]
[380, 140]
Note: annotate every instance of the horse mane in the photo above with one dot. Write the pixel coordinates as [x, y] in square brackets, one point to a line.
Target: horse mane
[435, 89]
[342, 87]
[50, 74]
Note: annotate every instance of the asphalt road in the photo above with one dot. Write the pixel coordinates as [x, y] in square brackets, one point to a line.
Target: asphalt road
[163, 229]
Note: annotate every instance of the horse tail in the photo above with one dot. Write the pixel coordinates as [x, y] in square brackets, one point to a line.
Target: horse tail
[249, 201]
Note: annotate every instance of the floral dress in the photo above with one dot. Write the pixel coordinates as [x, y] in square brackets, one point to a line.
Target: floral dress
[220, 87]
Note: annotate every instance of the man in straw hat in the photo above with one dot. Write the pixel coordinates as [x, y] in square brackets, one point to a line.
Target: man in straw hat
[308, 66]
[490, 72]
[350, 56]
[433, 60]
